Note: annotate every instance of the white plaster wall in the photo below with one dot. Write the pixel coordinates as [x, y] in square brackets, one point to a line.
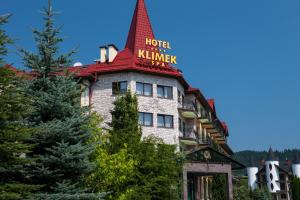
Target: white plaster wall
[252, 178]
[275, 173]
[102, 101]
[296, 170]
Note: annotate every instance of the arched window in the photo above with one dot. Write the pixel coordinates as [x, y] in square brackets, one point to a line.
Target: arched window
[270, 167]
[271, 177]
[272, 186]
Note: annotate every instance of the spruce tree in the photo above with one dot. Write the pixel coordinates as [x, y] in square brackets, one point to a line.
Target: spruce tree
[14, 130]
[61, 149]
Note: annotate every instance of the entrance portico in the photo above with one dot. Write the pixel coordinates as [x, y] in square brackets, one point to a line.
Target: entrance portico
[200, 169]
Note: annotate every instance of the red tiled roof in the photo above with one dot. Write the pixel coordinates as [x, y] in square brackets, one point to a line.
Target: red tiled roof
[225, 127]
[15, 70]
[211, 103]
[140, 28]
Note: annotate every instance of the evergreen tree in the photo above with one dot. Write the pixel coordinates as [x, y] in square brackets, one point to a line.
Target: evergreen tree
[132, 168]
[241, 190]
[261, 194]
[4, 39]
[124, 124]
[14, 131]
[295, 184]
[61, 149]
[219, 187]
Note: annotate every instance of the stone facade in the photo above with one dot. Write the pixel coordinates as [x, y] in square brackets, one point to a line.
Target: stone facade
[102, 101]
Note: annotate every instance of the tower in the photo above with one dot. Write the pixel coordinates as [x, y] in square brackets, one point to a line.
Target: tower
[272, 173]
[296, 166]
[251, 172]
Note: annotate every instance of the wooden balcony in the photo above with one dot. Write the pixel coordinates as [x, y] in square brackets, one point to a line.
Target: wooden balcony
[188, 137]
[188, 110]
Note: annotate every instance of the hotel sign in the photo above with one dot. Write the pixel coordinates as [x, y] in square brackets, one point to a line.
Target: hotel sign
[156, 53]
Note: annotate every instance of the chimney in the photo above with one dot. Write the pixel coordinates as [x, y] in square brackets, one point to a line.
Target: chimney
[103, 54]
[112, 52]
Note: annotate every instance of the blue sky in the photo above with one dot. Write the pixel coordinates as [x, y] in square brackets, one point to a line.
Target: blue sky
[244, 54]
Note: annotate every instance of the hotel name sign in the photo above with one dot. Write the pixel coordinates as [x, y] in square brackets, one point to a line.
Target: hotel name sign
[156, 53]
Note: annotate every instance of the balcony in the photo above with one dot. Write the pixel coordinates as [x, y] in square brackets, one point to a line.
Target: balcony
[188, 136]
[188, 109]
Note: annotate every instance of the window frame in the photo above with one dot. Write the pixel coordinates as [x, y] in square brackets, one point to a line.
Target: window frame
[164, 121]
[143, 92]
[143, 122]
[85, 95]
[119, 91]
[164, 91]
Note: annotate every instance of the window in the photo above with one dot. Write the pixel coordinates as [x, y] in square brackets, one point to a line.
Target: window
[180, 97]
[165, 121]
[270, 167]
[145, 119]
[119, 87]
[85, 96]
[282, 186]
[283, 196]
[180, 124]
[144, 89]
[165, 92]
[272, 186]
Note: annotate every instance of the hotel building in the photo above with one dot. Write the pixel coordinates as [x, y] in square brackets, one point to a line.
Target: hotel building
[169, 107]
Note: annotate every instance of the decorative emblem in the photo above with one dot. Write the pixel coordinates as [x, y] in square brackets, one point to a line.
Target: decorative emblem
[206, 155]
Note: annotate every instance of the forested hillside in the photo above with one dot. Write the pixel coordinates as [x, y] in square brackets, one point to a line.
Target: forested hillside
[258, 156]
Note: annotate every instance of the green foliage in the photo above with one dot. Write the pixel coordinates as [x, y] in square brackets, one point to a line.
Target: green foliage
[241, 190]
[4, 39]
[14, 133]
[131, 168]
[245, 156]
[62, 127]
[48, 59]
[261, 194]
[124, 124]
[14, 130]
[295, 185]
[219, 187]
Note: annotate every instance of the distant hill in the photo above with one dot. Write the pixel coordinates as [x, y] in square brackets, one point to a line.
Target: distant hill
[245, 156]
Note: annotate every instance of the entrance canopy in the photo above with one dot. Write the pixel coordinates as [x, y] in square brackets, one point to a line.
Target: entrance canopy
[210, 156]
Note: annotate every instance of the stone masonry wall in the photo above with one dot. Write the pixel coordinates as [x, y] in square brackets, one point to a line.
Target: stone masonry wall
[102, 101]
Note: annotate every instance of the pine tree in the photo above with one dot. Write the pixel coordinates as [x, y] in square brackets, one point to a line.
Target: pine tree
[14, 131]
[61, 149]
[295, 184]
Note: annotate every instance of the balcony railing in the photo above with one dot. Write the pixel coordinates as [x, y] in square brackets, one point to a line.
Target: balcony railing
[188, 109]
[188, 133]
[189, 105]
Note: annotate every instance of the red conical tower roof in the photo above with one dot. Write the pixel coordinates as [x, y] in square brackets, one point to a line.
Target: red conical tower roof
[140, 28]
